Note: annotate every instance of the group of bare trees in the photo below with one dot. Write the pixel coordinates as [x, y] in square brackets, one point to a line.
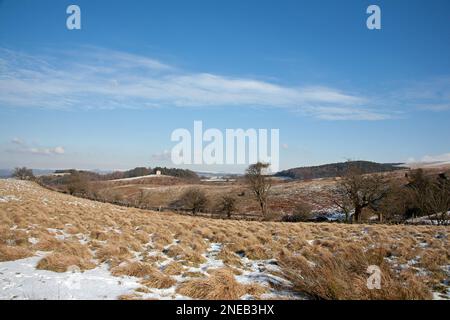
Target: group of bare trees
[356, 191]
[195, 199]
[422, 195]
[23, 173]
[430, 195]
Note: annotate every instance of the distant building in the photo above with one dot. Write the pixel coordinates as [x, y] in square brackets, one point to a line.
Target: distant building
[158, 172]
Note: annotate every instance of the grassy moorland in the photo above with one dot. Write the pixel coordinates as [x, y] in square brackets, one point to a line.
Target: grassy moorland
[168, 256]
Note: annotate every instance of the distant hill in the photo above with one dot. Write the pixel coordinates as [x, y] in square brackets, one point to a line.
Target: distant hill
[7, 173]
[336, 169]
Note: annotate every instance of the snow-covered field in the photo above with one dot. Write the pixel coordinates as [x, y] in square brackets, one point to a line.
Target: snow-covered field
[20, 279]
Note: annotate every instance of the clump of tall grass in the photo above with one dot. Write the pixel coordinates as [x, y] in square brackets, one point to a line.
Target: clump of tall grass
[341, 274]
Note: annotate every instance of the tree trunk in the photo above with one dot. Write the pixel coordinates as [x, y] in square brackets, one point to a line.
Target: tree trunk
[357, 214]
[263, 207]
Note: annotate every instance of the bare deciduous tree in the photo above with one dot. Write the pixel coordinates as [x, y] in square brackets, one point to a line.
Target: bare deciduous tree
[78, 184]
[419, 184]
[23, 173]
[302, 212]
[431, 195]
[259, 183]
[439, 200]
[140, 199]
[356, 191]
[194, 200]
[227, 205]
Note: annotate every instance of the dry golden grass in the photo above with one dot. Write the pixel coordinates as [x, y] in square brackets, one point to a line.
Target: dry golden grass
[190, 274]
[257, 252]
[47, 243]
[98, 235]
[117, 235]
[158, 280]
[341, 274]
[113, 253]
[11, 253]
[133, 269]
[13, 237]
[185, 254]
[220, 285]
[160, 240]
[173, 268]
[229, 257]
[60, 262]
[132, 296]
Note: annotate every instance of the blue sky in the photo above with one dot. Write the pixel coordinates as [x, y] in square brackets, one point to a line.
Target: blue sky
[109, 95]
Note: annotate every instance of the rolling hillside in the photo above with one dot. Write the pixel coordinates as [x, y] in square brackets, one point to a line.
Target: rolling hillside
[56, 246]
[336, 169]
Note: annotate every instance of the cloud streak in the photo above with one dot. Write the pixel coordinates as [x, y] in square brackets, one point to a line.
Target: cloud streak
[21, 146]
[99, 79]
[162, 156]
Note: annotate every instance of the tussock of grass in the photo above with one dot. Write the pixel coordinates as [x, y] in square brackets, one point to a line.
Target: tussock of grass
[173, 268]
[229, 258]
[133, 269]
[220, 285]
[226, 268]
[257, 252]
[48, 243]
[59, 262]
[186, 254]
[75, 249]
[142, 237]
[152, 259]
[161, 240]
[143, 290]
[111, 252]
[72, 230]
[342, 275]
[11, 253]
[433, 259]
[98, 235]
[175, 251]
[158, 280]
[13, 237]
[193, 258]
[191, 274]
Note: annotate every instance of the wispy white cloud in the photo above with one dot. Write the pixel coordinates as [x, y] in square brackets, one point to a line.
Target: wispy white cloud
[426, 95]
[46, 151]
[162, 156]
[99, 78]
[21, 146]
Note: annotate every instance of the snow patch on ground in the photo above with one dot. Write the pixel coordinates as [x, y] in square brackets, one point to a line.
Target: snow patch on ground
[21, 280]
[9, 198]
